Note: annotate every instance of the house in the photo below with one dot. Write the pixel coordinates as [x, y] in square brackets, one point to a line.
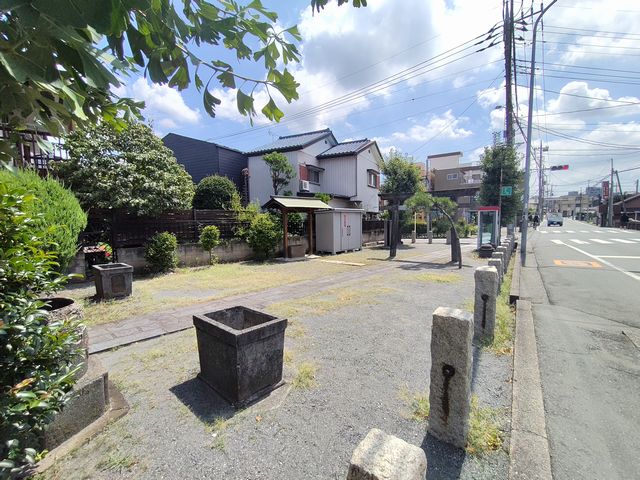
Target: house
[201, 159]
[31, 152]
[348, 171]
[460, 182]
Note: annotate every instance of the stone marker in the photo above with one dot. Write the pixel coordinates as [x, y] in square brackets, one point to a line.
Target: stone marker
[505, 257]
[385, 457]
[484, 311]
[501, 256]
[497, 263]
[451, 359]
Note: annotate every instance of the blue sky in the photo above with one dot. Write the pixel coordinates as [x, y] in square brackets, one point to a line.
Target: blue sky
[407, 74]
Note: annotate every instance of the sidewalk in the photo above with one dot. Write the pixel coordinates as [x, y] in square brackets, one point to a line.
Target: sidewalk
[124, 332]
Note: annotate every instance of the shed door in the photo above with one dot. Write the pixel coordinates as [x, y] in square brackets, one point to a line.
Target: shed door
[355, 231]
[345, 231]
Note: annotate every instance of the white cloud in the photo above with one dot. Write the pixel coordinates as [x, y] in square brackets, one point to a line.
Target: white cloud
[443, 126]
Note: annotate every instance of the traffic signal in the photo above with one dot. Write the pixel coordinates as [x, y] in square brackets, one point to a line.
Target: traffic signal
[559, 167]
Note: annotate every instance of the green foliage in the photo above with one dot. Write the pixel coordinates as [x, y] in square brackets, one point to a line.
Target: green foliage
[210, 239]
[325, 197]
[281, 170]
[317, 5]
[501, 158]
[440, 226]
[160, 252]
[400, 174]
[56, 71]
[295, 223]
[263, 235]
[55, 211]
[129, 169]
[36, 358]
[216, 192]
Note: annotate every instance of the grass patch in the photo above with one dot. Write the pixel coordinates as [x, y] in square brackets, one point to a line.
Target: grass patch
[288, 357]
[217, 428]
[468, 305]
[417, 404]
[305, 378]
[437, 277]
[484, 433]
[117, 461]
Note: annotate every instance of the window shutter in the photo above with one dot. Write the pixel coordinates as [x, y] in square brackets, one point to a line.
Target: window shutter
[304, 172]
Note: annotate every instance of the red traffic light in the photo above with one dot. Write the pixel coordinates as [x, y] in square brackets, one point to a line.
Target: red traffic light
[560, 167]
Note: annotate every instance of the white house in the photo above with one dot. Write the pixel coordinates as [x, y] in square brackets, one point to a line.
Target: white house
[348, 171]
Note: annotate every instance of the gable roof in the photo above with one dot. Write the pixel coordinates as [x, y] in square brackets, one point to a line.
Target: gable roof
[175, 138]
[288, 143]
[346, 148]
[295, 203]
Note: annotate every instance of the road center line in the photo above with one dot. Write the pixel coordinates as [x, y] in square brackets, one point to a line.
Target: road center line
[601, 260]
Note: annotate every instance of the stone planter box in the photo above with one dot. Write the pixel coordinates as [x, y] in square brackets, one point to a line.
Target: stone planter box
[113, 280]
[295, 251]
[241, 352]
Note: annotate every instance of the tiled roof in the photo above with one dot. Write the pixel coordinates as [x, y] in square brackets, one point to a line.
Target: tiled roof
[291, 142]
[346, 148]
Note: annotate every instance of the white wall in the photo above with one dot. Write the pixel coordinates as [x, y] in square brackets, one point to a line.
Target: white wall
[339, 176]
[440, 163]
[367, 160]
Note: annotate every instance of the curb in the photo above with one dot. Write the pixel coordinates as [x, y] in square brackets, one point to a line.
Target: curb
[529, 446]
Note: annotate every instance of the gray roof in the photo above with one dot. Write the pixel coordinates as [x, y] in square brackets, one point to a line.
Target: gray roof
[346, 148]
[292, 142]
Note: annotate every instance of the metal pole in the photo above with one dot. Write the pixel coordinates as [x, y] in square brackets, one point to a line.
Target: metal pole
[540, 185]
[527, 162]
[610, 203]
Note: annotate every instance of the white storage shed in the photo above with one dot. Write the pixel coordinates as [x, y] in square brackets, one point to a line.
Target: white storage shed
[338, 230]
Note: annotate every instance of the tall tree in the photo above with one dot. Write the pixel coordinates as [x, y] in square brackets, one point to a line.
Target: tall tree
[281, 170]
[60, 60]
[400, 174]
[129, 169]
[501, 167]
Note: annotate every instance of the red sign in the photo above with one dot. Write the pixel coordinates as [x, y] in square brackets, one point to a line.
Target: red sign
[605, 189]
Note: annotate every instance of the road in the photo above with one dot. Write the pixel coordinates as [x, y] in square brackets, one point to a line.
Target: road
[587, 320]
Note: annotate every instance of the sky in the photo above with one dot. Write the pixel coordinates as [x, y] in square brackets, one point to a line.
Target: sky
[427, 77]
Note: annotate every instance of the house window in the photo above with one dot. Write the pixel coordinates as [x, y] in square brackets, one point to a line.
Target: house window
[372, 178]
[452, 176]
[314, 176]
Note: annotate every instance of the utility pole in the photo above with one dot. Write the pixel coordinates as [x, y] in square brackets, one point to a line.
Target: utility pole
[541, 181]
[580, 206]
[508, 54]
[610, 204]
[527, 162]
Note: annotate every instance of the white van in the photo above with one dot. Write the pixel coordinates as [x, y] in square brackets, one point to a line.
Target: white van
[554, 219]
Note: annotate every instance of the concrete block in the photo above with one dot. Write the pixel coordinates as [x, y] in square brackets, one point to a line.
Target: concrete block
[486, 293]
[385, 457]
[89, 400]
[500, 256]
[497, 264]
[113, 280]
[451, 371]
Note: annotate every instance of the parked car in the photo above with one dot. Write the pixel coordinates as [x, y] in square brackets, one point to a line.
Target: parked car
[554, 219]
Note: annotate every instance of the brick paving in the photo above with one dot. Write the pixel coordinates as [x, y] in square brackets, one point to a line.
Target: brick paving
[124, 332]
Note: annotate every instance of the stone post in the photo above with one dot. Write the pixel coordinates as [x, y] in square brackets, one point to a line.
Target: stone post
[484, 310]
[497, 264]
[507, 247]
[501, 256]
[505, 257]
[451, 363]
[385, 457]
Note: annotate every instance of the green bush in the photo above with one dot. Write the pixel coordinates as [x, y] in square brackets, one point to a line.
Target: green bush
[160, 252]
[215, 192]
[263, 235]
[55, 211]
[440, 226]
[36, 356]
[295, 223]
[210, 239]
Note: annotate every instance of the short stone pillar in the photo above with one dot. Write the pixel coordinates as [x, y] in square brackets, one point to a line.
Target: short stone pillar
[505, 257]
[451, 363]
[507, 248]
[497, 264]
[484, 310]
[500, 255]
[385, 457]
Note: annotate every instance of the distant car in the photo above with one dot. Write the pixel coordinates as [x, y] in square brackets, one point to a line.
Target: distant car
[554, 219]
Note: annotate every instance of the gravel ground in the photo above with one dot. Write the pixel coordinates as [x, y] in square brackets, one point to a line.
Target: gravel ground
[370, 355]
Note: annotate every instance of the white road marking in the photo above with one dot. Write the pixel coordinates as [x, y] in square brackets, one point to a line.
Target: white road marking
[584, 231]
[543, 231]
[621, 240]
[558, 242]
[636, 239]
[570, 231]
[579, 242]
[597, 240]
[619, 256]
[597, 231]
[556, 231]
[609, 264]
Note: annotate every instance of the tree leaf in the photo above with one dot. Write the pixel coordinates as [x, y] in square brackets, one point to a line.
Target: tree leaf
[271, 111]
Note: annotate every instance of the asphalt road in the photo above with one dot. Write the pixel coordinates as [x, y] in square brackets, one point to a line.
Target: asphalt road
[586, 326]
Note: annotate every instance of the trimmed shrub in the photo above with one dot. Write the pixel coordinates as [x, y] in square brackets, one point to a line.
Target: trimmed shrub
[36, 358]
[215, 192]
[55, 211]
[210, 239]
[263, 236]
[160, 252]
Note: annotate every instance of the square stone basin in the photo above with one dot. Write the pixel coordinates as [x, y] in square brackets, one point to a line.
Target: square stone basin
[113, 280]
[241, 352]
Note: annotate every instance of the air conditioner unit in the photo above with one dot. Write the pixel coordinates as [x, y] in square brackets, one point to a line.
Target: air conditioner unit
[304, 185]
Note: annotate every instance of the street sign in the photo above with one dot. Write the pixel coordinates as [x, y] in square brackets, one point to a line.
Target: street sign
[559, 167]
[605, 189]
[506, 191]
